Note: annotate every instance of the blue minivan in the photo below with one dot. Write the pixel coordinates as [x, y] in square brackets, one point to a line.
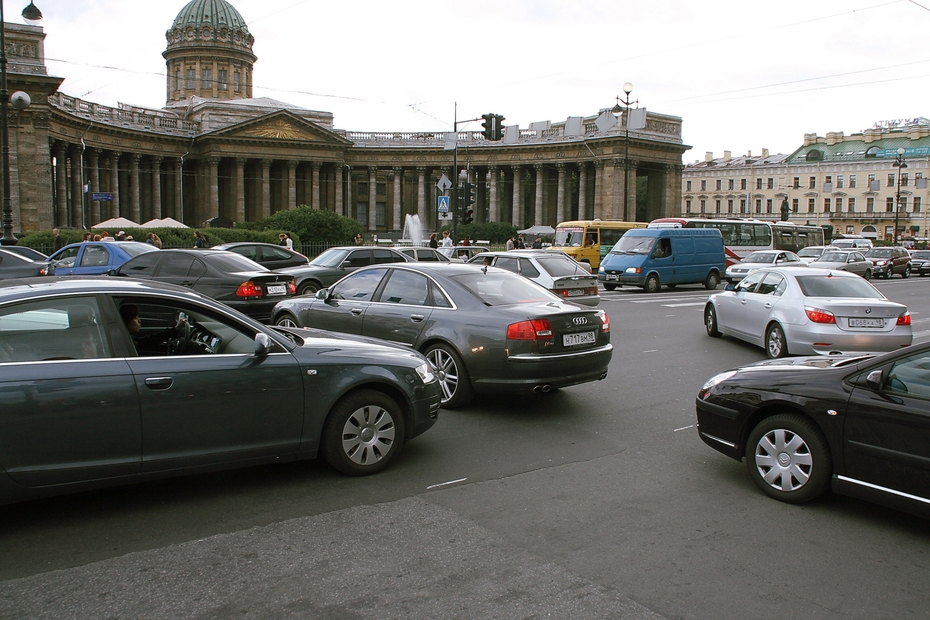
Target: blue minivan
[651, 257]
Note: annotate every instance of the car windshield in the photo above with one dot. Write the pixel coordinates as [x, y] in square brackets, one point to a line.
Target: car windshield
[330, 258]
[760, 257]
[557, 266]
[833, 286]
[810, 252]
[569, 236]
[501, 288]
[633, 245]
[923, 255]
[230, 262]
[832, 257]
[134, 249]
[879, 253]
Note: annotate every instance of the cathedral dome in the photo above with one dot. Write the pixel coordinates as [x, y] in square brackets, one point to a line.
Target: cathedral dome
[208, 23]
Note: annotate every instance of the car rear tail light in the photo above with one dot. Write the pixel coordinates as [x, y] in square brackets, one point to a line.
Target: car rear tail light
[904, 319]
[249, 289]
[536, 329]
[43, 271]
[605, 321]
[292, 287]
[816, 315]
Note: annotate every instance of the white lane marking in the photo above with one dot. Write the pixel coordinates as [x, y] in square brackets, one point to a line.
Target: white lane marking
[651, 351]
[442, 484]
[659, 300]
[683, 428]
[694, 303]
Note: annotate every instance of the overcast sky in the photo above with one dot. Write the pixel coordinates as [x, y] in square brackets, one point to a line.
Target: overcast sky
[742, 74]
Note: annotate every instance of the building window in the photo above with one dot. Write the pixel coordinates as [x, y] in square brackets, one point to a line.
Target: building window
[742, 205]
[363, 188]
[688, 207]
[810, 205]
[381, 189]
[828, 180]
[730, 184]
[742, 184]
[888, 232]
[703, 185]
[826, 205]
[191, 79]
[903, 205]
[850, 229]
[794, 205]
[813, 183]
[177, 79]
[768, 205]
[771, 183]
[916, 204]
[871, 180]
[687, 186]
[758, 205]
[719, 184]
[730, 204]
[716, 206]
[839, 205]
[235, 81]
[797, 183]
[839, 181]
[207, 78]
[889, 204]
[703, 206]
[869, 205]
[361, 213]
[890, 179]
[759, 183]
[852, 181]
[379, 214]
[223, 78]
[851, 205]
[903, 179]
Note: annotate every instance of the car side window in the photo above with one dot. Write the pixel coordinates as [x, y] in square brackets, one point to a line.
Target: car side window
[508, 263]
[426, 256]
[142, 266]
[52, 329]
[175, 265]
[770, 284]
[748, 284]
[67, 257]
[274, 254]
[95, 256]
[404, 287]
[359, 286]
[384, 255]
[663, 249]
[910, 376]
[438, 297]
[359, 258]
[249, 251]
[528, 269]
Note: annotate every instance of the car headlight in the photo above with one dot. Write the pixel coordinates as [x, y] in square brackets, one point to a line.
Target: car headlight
[717, 379]
[601, 270]
[425, 370]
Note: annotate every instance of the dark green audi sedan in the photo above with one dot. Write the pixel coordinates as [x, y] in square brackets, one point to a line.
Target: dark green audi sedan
[105, 381]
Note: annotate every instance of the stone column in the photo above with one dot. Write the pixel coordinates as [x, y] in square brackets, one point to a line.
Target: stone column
[291, 184]
[540, 191]
[350, 207]
[77, 192]
[157, 209]
[517, 217]
[93, 174]
[560, 210]
[114, 184]
[315, 185]
[421, 196]
[135, 187]
[494, 207]
[372, 197]
[266, 188]
[398, 209]
[337, 174]
[178, 189]
[598, 211]
[582, 191]
[627, 198]
[213, 184]
[61, 184]
[240, 188]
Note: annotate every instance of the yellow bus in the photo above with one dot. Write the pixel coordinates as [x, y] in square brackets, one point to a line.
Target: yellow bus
[588, 241]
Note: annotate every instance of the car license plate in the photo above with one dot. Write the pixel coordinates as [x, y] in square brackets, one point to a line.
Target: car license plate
[277, 289]
[575, 292]
[613, 276]
[866, 322]
[571, 340]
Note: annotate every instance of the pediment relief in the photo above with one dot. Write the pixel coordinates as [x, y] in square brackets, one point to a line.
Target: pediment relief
[280, 129]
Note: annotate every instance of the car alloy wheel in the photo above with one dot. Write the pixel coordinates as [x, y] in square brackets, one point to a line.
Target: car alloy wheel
[308, 288]
[710, 322]
[453, 378]
[788, 458]
[286, 320]
[363, 433]
[652, 284]
[775, 344]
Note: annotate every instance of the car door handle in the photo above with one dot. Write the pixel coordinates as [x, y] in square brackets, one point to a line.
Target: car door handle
[159, 383]
[416, 318]
[769, 305]
[187, 283]
[357, 311]
[742, 301]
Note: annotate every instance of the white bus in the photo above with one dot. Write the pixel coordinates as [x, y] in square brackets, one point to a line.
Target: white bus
[741, 237]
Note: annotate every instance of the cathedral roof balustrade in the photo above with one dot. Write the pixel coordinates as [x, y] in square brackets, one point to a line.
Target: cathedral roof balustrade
[133, 118]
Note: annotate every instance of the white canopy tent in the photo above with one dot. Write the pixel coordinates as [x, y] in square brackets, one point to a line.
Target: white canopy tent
[116, 222]
[167, 222]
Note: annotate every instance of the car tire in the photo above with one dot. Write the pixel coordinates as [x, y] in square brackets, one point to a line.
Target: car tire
[652, 284]
[788, 458]
[710, 321]
[609, 287]
[363, 433]
[907, 272]
[452, 374]
[712, 281]
[308, 288]
[889, 273]
[868, 274]
[287, 320]
[776, 344]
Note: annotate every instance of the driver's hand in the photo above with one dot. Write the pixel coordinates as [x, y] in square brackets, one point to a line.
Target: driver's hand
[182, 320]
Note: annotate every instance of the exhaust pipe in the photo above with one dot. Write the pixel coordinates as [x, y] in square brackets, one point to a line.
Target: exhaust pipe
[544, 388]
[602, 377]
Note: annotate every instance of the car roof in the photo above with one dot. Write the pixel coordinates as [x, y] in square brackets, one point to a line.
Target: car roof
[233, 244]
[24, 288]
[808, 271]
[449, 269]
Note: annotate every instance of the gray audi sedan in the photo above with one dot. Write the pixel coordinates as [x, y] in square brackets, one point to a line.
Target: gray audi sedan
[105, 381]
[483, 328]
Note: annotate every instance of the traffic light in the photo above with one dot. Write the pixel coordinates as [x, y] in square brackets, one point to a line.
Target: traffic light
[488, 124]
[468, 216]
[469, 192]
[497, 127]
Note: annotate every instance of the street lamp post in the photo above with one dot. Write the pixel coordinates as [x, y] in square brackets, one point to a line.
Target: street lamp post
[627, 89]
[20, 101]
[900, 164]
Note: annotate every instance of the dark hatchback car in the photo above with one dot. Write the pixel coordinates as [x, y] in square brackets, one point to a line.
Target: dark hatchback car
[86, 403]
[227, 277]
[484, 329]
[266, 254]
[887, 262]
[336, 263]
[860, 424]
[14, 265]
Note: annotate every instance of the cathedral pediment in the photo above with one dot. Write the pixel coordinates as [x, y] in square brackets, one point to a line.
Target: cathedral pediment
[283, 126]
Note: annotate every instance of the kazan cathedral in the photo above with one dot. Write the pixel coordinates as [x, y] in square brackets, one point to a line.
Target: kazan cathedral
[215, 151]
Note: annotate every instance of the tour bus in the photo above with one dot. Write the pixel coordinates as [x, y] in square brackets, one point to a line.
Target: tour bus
[588, 241]
[742, 237]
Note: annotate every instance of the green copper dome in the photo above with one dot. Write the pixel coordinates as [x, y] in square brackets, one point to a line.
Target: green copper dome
[215, 13]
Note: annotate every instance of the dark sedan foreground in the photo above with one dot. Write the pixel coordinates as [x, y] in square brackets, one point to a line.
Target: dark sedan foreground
[106, 381]
[858, 424]
[484, 329]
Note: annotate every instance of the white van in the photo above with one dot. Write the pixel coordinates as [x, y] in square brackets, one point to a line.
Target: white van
[852, 242]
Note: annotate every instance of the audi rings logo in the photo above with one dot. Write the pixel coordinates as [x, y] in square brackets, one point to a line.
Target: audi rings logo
[580, 320]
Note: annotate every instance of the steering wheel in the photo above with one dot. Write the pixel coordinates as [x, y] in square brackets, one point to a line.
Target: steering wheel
[180, 343]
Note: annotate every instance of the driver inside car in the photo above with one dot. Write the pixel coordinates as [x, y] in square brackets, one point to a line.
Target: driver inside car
[155, 343]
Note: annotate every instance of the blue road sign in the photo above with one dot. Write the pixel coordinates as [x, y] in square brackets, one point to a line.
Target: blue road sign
[443, 204]
[101, 196]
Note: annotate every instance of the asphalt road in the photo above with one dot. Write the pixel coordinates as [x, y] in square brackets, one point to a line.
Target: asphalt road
[597, 501]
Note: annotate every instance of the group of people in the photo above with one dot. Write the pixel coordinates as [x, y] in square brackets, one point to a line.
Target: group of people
[515, 243]
[59, 243]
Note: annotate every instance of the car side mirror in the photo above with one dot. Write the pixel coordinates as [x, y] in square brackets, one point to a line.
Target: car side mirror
[874, 380]
[322, 294]
[730, 287]
[345, 264]
[262, 344]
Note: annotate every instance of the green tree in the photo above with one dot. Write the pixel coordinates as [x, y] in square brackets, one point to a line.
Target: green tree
[312, 225]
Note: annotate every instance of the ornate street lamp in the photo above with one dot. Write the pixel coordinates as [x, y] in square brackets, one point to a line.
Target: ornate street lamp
[900, 164]
[627, 88]
[20, 100]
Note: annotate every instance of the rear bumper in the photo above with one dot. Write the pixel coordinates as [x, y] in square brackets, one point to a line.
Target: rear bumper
[807, 339]
[523, 373]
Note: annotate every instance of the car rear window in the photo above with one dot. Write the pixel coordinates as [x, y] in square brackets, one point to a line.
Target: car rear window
[499, 288]
[230, 263]
[558, 266]
[834, 286]
[134, 249]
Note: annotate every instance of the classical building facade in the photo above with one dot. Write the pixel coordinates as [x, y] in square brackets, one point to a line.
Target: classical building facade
[851, 183]
[215, 150]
